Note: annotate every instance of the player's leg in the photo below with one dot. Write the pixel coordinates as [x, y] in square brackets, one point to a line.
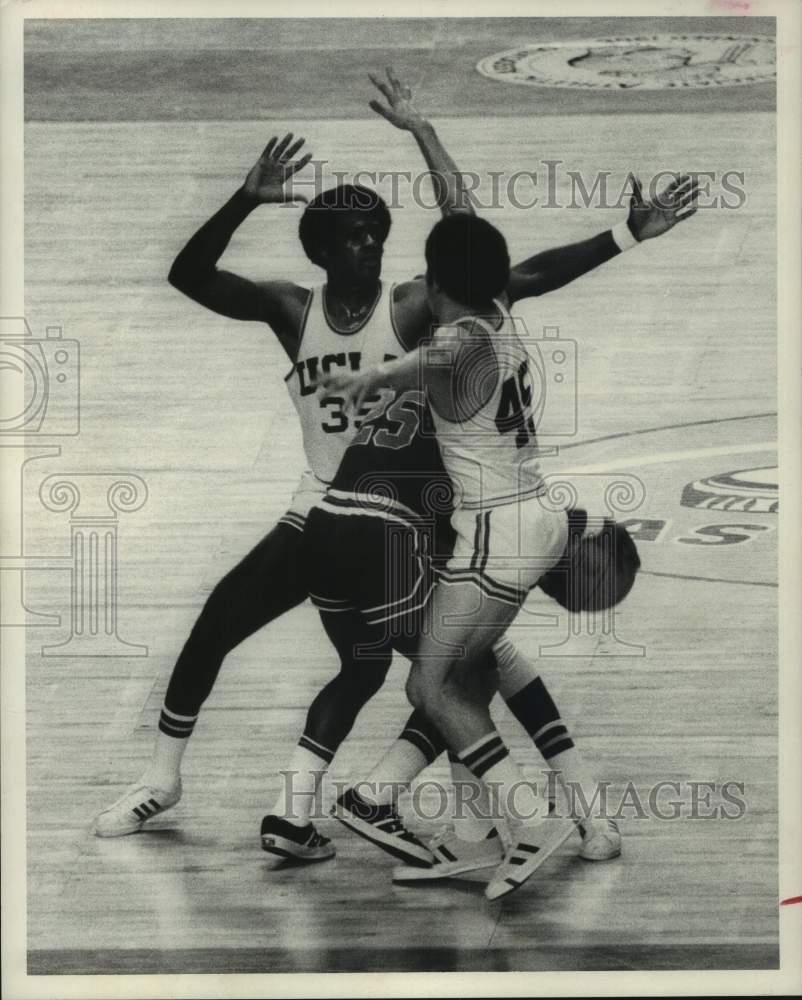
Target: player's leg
[499, 554]
[344, 558]
[529, 700]
[266, 583]
[364, 662]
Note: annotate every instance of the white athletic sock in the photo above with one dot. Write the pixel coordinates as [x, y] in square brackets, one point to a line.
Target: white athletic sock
[518, 799]
[473, 817]
[394, 773]
[301, 782]
[164, 769]
[576, 781]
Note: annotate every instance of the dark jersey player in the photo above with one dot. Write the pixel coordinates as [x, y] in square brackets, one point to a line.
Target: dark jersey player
[351, 320]
[372, 547]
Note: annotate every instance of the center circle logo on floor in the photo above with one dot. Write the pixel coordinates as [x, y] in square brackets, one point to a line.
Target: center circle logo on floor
[642, 62]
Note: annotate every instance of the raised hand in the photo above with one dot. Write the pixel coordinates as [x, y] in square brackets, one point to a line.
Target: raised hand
[267, 178]
[399, 110]
[674, 204]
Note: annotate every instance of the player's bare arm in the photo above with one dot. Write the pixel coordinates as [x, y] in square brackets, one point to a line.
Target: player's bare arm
[452, 195]
[452, 367]
[400, 110]
[647, 219]
[280, 304]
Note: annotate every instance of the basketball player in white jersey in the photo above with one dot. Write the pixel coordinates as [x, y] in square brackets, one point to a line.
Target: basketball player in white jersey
[475, 374]
[348, 323]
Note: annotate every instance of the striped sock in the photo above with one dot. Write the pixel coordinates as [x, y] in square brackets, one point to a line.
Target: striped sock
[530, 702]
[418, 746]
[534, 708]
[164, 769]
[489, 759]
[173, 724]
[473, 819]
[299, 795]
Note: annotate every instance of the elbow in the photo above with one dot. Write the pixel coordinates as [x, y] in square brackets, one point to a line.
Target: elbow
[185, 277]
[177, 276]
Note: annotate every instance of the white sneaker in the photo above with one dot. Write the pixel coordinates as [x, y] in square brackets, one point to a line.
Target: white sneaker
[382, 826]
[601, 840]
[533, 843]
[133, 809]
[453, 856]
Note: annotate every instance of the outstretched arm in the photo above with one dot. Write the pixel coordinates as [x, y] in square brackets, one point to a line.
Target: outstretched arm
[452, 367]
[449, 186]
[195, 272]
[557, 267]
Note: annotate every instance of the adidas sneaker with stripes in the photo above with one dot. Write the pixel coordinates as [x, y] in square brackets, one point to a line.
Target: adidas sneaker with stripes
[134, 808]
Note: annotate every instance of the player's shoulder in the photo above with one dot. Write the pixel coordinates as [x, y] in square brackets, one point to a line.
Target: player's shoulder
[413, 292]
[286, 292]
[410, 311]
[465, 328]
[284, 303]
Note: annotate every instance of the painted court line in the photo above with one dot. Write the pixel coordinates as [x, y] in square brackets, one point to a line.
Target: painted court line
[626, 462]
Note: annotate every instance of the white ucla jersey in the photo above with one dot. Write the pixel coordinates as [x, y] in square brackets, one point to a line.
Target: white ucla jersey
[491, 454]
[327, 430]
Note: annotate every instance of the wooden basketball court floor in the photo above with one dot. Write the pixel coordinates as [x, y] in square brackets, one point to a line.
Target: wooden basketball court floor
[676, 384]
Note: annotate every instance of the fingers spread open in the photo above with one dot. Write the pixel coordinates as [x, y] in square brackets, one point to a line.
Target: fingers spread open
[282, 145]
[380, 109]
[687, 198]
[293, 168]
[380, 85]
[637, 189]
[292, 150]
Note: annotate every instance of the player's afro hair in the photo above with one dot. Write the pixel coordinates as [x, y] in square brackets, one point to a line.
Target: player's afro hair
[317, 223]
[468, 258]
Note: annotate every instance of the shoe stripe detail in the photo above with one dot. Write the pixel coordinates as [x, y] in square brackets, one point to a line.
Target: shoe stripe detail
[394, 847]
[446, 853]
[529, 848]
[518, 861]
[140, 813]
[513, 882]
[154, 803]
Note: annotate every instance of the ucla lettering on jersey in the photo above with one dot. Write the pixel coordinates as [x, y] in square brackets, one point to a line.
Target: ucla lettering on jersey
[491, 452]
[326, 428]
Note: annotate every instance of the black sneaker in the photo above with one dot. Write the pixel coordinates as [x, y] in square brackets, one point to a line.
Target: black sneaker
[382, 826]
[287, 842]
